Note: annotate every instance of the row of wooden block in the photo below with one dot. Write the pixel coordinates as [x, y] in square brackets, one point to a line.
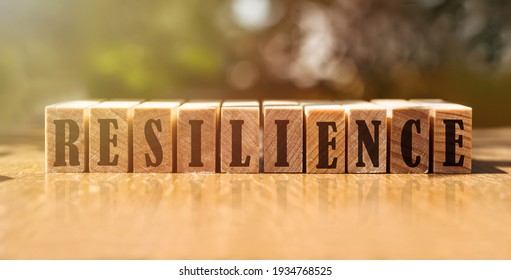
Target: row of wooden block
[385, 135]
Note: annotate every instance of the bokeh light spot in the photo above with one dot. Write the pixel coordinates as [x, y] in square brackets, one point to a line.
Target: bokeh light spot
[251, 14]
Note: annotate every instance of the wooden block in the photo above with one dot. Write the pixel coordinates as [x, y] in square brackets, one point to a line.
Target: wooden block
[110, 126]
[239, 137]
[366, 137]
[451, 136]
[408, 136]
[154, 136]
[283, 137]
[67, 136]
[197, 137]
[325, 138]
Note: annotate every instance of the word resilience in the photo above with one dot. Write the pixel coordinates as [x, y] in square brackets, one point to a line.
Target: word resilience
[380, 136]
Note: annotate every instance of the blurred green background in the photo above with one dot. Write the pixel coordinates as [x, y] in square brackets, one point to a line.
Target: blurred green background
[54, 50]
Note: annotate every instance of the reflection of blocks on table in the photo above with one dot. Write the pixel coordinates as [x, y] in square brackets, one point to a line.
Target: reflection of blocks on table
[325, 138]
[197, 137]
[67, 136]
[408, 136]
[154, 136]
[110, 137]
[239, 137]
[367, 137]
[451, 137]
[282, 136]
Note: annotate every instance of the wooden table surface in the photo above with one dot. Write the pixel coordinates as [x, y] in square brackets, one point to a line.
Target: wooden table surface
[261, 216]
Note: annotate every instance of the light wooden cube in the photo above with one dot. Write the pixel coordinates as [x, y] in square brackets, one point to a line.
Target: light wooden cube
[408, 135]
[154, 125]
[197, 132]
[325, 138]
[110, 127]
[366, 137]
[283, 137]
[67, 136]
[239, 137]
[451, 135]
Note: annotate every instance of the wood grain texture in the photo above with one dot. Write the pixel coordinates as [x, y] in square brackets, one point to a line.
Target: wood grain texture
[242, 118]
[253, 216]
[407, 121]
[282, 137]
[110, 137]
[363, 119]
[197, 131]
[330, 119]
[157, 120]
[454, 112]
[74, 113]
